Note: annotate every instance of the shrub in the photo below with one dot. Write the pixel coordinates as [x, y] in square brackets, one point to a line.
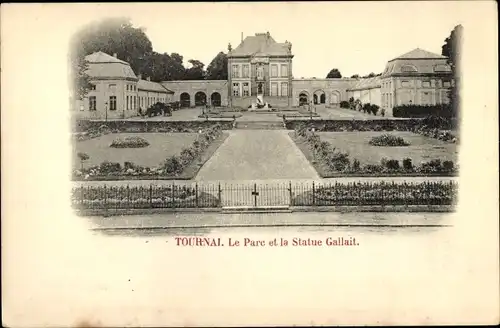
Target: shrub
[388, 140]
[432, 166]
[344, 104]
[374, 109]
[338, 161]
[392, 165]
[356, 166]
[407, 164]
[172, 165]
[448, 166]
[367, 108]
[107, 167]
[372, 168]
[130, 142]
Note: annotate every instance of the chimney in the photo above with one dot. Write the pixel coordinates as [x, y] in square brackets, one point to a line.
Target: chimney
[241, 36]
[115, 55]
[149, 78]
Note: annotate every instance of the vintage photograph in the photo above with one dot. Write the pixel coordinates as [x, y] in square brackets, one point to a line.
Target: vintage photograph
[249, 164]
[156, 132]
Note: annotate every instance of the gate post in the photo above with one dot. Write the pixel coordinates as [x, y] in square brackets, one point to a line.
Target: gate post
[314, 195]
[220, 198]
[196, 190]
[173, 194]
[255, 195]
[290, 192]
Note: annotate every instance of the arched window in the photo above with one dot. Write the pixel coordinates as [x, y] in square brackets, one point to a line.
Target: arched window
[408, 69]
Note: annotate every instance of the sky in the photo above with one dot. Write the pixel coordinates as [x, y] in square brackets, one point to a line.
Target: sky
[356, 38]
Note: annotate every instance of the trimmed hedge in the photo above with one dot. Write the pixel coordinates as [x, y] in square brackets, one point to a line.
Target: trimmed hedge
[88, 129]
[415, 111]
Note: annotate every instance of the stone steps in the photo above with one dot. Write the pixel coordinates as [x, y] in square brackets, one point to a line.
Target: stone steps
[260, 125]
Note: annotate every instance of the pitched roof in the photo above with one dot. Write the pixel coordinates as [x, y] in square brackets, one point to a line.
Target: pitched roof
[419, 54]
[102, 57]
[261, 44]
[102, 65]
[367, 83]
[152, 86]
[417, 61]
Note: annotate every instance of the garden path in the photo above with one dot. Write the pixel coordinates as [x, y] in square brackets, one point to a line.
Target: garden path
[262, 154]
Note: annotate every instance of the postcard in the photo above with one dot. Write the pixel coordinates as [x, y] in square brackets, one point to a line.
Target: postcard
[249, 164]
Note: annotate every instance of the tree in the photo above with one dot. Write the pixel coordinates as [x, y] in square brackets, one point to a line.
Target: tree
[452, 50]
[355, 76]
[334, 74]
[196, 71]
[83, 157]
[113, 35]
[217, 69]
[369, 75]
[80, 80]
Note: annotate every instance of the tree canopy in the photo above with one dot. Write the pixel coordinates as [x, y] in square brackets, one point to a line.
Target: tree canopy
[334, 74]
[217, 69]
[131, 44]
[452, 49]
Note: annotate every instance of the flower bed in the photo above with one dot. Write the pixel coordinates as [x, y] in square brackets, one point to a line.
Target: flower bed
[102, 197]
[130, 142]
[387, 140]
[173, 166]
[379, 193]
[333, 162]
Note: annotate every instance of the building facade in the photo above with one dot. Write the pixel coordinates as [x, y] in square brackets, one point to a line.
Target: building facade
[418, 77]
[260, 66]
[116, 92]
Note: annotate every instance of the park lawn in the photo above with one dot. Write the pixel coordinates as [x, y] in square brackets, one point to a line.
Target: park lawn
[161, 146]
[421, 148]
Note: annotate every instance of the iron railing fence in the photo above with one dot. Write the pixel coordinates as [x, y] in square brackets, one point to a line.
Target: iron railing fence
[202, 195]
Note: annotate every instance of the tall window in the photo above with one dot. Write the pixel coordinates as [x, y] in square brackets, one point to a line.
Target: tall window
[236, 89]
[246, 70]
[135, 103]
[284, 70]
[92, 103]
[284, 89]
[236, 71]
[274, 89]
[112, 102]
[128, 106]
[260, 72]
[246, 90]
[274, 70]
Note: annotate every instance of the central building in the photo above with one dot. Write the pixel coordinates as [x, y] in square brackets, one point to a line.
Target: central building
[260, 66]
